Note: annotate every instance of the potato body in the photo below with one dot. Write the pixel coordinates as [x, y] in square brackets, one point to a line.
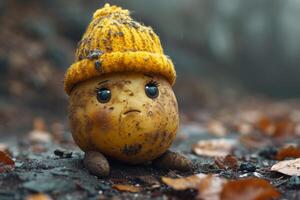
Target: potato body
[130, 127]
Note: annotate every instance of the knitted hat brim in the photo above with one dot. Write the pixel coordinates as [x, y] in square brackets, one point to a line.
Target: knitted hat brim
[140, 61]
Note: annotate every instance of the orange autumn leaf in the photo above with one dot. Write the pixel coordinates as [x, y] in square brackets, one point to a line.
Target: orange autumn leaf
[284, 127]
[228, 162]
[5, 162]
[210, 188]
[39, 196]
[249, 189]
[278, 127]
[288, 152]
[5, 159]
[265, 125]
[127, 188]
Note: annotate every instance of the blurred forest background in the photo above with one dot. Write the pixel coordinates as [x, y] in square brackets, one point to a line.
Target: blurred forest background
[222, 49]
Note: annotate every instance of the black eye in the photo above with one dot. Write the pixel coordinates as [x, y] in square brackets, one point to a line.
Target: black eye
[151, 90]
[103, 95]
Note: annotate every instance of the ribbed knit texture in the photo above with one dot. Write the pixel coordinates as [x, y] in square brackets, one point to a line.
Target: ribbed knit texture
[114, 42]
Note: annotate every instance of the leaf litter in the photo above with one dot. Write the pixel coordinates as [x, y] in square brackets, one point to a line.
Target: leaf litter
[214, 147]
[288, 167]
[6, 163]
[213, 187]
[127, 188]
[288, 152]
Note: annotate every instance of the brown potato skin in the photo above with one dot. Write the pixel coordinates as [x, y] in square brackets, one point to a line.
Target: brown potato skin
[135, 137]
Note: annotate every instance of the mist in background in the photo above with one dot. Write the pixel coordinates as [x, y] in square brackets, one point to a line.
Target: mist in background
[220, 48]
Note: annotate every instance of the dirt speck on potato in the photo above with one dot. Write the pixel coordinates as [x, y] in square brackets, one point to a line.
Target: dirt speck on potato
[103, 119]
[132, 149]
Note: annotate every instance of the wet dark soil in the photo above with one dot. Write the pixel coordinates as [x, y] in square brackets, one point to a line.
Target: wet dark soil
[59, 172]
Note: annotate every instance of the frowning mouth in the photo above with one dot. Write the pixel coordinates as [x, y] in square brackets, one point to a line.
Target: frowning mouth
[131, 111]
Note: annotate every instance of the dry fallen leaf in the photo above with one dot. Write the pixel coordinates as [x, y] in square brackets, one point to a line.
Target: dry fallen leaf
[255, 141]
[216, 127]
[249, 189]
[39, 136]
[210, 187]
[190, 182]
[5, 162]
[284, 127]
[276, 127]
[288, 152]
[266, 125]
[127, 188]
[228, 162]
[5, 159]
[39, 133]
[214, 147]
[40, 196]
[243, 128]
[288, 167]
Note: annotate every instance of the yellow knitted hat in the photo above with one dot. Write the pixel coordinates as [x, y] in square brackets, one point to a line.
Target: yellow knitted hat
[114, 42]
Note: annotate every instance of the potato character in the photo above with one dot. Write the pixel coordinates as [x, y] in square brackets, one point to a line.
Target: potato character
[121, 103]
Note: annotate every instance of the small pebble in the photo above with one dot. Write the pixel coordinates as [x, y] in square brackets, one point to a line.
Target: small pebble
[249, 167]
[257, 174]
[63, 154]
[268, 152]
[293, 182]
[243, 175]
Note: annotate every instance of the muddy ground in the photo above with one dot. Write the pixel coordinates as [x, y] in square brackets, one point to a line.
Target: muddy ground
[57, 169]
